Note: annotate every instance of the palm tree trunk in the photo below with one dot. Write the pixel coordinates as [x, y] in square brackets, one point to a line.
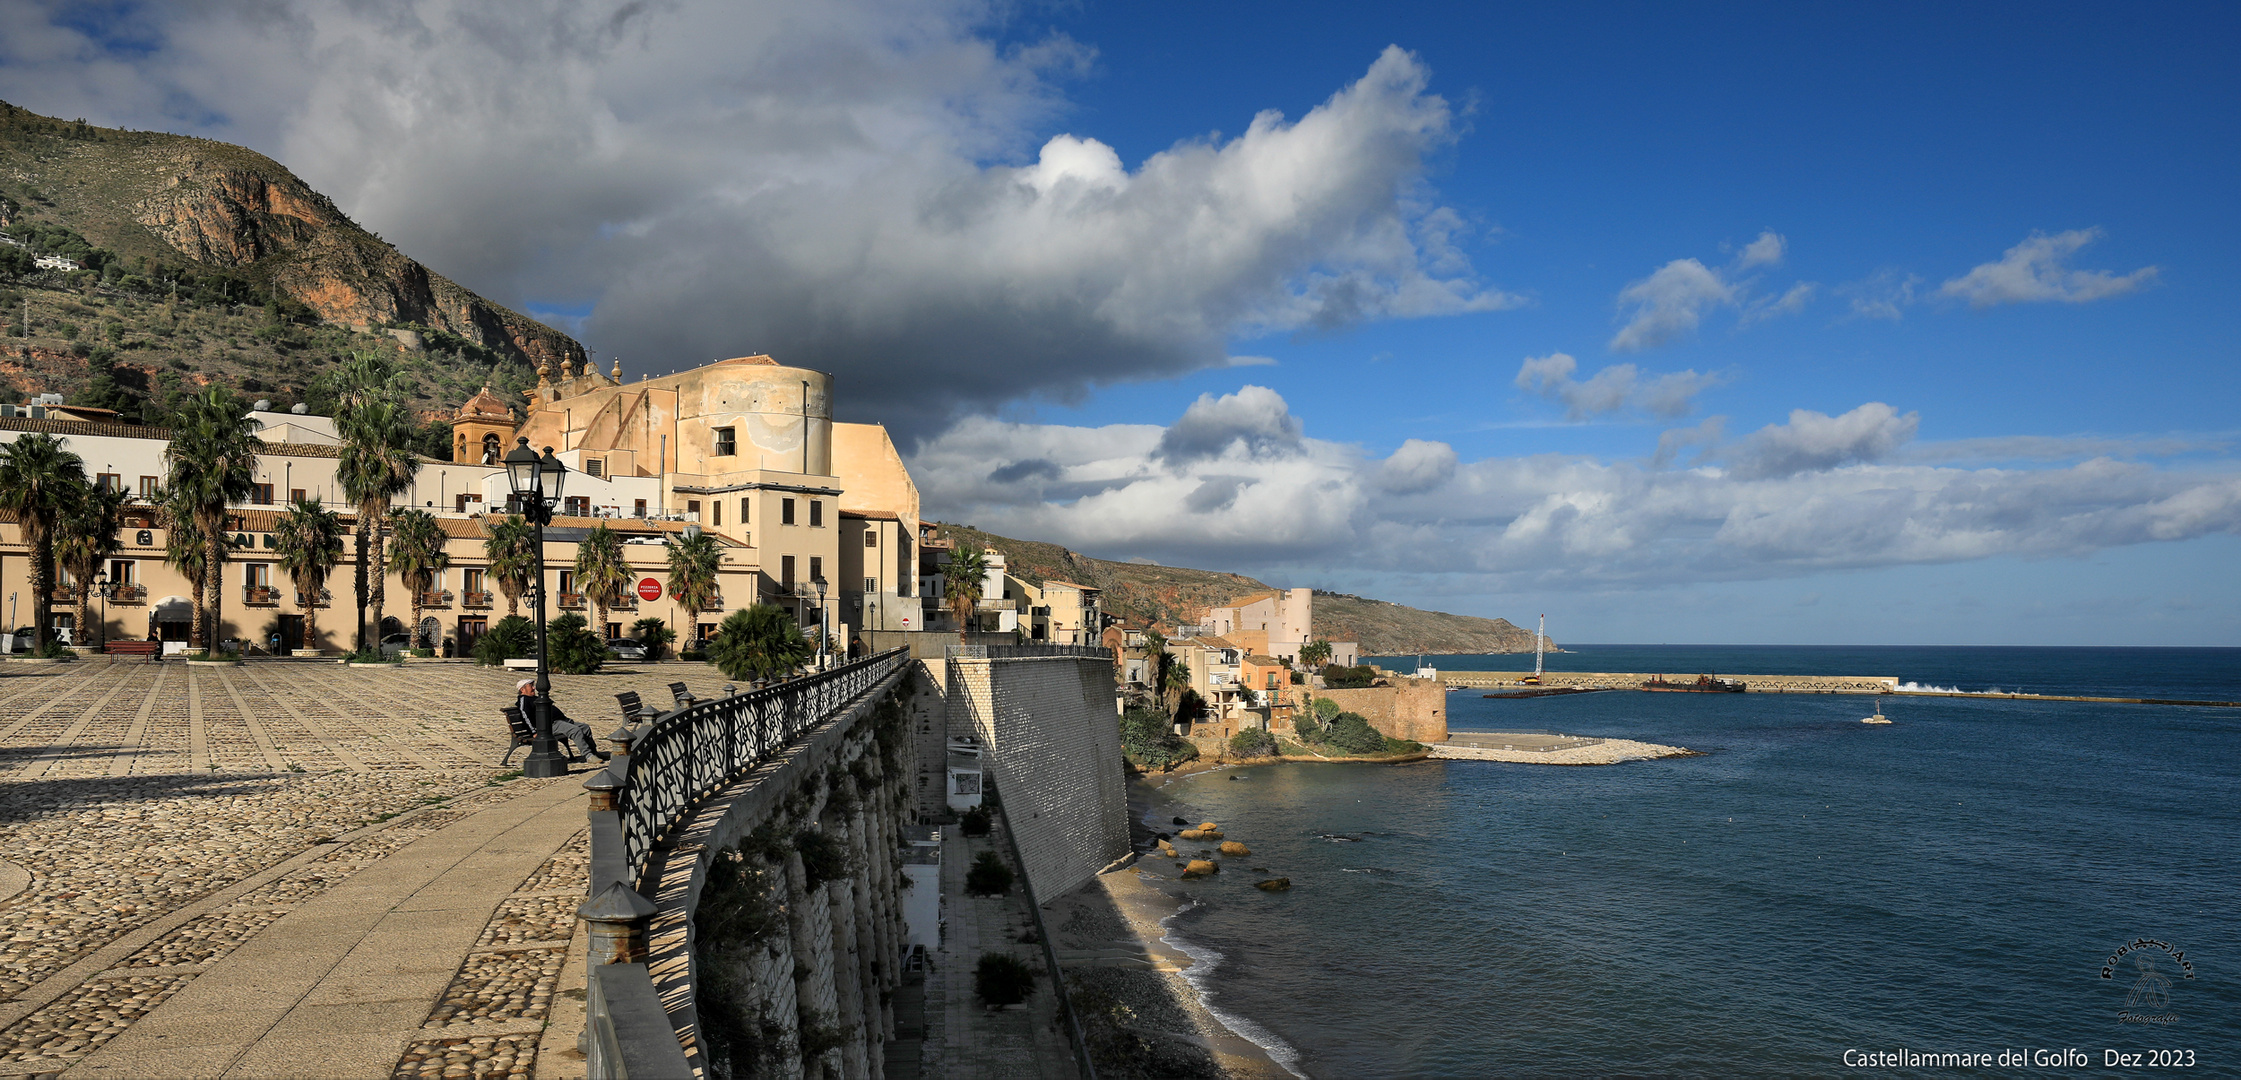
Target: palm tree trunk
[513, 603]
[380, 577]
[361, 590]
[599, 608]
[85, 611]
[42, 578]
[215, 577]
[412, 633]
[310, 608]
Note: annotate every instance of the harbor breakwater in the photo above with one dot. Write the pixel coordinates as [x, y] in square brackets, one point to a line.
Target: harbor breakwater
[1607, 680]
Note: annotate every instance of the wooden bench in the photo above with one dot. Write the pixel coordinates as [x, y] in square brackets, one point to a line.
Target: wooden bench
[685, 698]
[634, 710]
[150, 649]
[524, 732]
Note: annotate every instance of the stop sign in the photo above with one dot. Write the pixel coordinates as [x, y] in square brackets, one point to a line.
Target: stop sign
[649, 589]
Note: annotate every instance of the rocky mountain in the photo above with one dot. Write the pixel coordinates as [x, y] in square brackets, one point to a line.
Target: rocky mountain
[182, 246]
[1163, 596]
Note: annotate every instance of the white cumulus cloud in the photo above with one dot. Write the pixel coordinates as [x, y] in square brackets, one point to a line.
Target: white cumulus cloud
[2037, 271]
[1616, 388]
[1814, 441]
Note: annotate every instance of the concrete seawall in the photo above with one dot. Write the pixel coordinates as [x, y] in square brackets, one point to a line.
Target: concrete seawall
[1607, 680]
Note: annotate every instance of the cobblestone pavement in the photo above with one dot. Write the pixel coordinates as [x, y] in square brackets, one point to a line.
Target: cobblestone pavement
[132, 790]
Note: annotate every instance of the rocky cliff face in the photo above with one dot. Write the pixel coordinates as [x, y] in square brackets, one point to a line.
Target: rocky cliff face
[164, 198]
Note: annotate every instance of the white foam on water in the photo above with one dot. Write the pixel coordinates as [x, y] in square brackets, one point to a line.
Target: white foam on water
[1918, 688]
[1204, 960]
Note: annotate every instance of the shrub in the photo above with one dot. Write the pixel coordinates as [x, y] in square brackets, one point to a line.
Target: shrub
[976, 821]
[1252, 742]
[512, 639]
[988, 876]
[654, 635]
[1149, 739]
[575, 649]
[1352, 733]
[1002, 979]
[1307, 726]
[761, 642]
[823, 858]
[1347, 678]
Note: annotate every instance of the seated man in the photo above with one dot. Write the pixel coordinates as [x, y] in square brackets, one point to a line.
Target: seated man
[563, 729]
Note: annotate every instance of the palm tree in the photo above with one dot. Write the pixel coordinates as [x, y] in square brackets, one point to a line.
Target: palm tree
[693, 559]
[377, 464]
[213, 460]
[601, 573]
[759, 643]
[511, 547]
[417, 551]
[185, 551]
[88, 536]
[962, 580]
[38, 481]
[309, 541]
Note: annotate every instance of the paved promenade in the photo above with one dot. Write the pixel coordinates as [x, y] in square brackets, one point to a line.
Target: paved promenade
[288, 869]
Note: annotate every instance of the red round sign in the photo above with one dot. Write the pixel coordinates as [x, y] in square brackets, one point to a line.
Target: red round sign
[649, 589]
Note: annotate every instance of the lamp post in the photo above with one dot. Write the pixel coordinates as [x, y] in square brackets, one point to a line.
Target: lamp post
[536, 482]
[107, 588]
[823, 636]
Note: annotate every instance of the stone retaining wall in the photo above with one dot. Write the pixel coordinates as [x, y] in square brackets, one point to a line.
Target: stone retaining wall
[1052, 735]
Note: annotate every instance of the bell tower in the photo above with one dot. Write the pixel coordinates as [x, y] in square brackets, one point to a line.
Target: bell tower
[484, 430]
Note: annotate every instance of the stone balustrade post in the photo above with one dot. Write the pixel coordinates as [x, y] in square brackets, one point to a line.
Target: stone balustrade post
[618, 916]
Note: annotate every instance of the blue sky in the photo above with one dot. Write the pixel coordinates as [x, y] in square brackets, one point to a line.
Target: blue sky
[1926, 308]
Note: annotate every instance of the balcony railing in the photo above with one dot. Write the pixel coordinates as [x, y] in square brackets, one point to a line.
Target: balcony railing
[63, 594]
[326, 597]
[477, 600]
[437, 598]
[628, 602]
[572, 601]
[260, 595]
[128, 594]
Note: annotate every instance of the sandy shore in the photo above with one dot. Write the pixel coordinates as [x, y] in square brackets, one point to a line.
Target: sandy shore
[1144, 1016]
[1607, 752]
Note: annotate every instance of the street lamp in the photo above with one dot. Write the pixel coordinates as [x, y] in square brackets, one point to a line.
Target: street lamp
[102, 585]
[536, 483]
[823, 636]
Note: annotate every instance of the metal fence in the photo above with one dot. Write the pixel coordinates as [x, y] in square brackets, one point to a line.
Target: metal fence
[1016, 652]
[687, 755]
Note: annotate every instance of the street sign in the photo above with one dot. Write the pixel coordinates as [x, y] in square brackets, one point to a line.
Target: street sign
[649, 589]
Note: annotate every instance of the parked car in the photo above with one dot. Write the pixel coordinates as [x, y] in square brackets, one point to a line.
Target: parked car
[626, 649]
[395, 644]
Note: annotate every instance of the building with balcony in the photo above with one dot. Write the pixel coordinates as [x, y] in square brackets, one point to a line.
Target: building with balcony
[745, 450]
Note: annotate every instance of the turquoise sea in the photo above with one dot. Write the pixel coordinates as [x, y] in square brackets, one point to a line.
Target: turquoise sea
[1953, 883]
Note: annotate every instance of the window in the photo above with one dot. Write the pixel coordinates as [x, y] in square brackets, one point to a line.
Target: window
[577, 506]
[816, 568]
[871, 585]
[718, 508]
[458, 504]
[260, 494]
[473, 580]
[296, 495]
[785, 511]
[614, 630]
[568, 581]
[149, 484]
[257, 573]
[638, 508]
[786, 572]
[122, 571]
[108, 481]
[692, 506]
[871, 538]
[816, 513]
[726, 445]
[743, 505]
[595, 466]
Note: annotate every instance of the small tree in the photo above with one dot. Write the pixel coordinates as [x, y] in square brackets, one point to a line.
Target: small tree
[654, 635]
[601, 572]
[962, 582]
[693, 563]
[416, 552]
[1315, 653]
[88, 536]
[1352, 733]
[760, 643]
[1253, 742]
[511, 547]
[310, 546]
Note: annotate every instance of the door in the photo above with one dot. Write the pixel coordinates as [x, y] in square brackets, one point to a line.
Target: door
[291, 632]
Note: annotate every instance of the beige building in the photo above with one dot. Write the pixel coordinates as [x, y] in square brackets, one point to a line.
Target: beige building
[752, 457]
[1275, 623]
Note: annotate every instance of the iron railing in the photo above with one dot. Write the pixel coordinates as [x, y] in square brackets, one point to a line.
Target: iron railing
[687, 755]
[1016, 652]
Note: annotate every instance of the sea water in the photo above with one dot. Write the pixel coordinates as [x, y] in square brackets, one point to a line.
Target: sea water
[1956, 882]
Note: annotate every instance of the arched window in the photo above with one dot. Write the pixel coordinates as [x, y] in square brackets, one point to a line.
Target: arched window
[490, 444]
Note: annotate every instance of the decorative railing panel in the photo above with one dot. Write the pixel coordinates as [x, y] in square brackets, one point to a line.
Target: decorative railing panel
[685, 756]
[1016, 652]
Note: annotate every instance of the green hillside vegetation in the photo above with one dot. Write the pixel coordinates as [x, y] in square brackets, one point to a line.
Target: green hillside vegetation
[200, 262]
[1146, 594]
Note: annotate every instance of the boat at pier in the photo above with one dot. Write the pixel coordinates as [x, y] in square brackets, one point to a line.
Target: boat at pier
[1704, 684]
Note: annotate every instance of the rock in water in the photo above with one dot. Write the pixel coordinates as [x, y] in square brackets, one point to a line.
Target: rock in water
[1183, 822]
[1209, 827]
[1282, 884]
[1201, 868]
[1234, 849]
[1188, 834]
[1167, 849]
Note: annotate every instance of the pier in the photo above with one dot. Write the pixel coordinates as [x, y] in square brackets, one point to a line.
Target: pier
[1613, 680]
